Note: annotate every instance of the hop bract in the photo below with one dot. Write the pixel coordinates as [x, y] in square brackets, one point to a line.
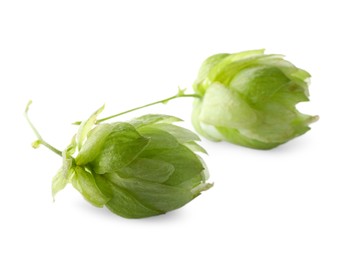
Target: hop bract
[137, 169]
[249, 98]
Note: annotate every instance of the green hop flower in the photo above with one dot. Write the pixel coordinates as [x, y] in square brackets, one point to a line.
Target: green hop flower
[249, 98]
[136, 169]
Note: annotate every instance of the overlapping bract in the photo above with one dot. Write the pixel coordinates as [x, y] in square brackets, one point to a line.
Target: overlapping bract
[249, 98]
[136, 169]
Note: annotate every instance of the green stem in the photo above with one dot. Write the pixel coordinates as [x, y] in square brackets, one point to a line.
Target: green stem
[163, 101]
[39, 137]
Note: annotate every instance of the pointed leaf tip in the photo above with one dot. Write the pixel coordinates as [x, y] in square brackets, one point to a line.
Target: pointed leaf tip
[86, 126]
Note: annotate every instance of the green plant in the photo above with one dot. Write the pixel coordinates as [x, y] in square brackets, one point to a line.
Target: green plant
[141, 168]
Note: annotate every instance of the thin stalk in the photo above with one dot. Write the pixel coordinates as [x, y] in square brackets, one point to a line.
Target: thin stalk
[180, 94]
[39, 137]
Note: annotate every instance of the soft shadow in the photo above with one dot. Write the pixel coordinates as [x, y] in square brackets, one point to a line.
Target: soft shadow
[298, 144]
[89, 209]
[172, 216]
[104, 213]
[223, 147]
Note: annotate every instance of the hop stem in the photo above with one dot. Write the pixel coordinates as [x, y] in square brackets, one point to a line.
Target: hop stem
[39, 137]
[180, 94]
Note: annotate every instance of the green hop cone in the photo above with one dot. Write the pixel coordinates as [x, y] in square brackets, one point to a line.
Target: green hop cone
[136, 169]
[249, 98]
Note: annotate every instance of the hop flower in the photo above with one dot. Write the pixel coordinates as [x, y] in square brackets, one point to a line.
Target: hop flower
[136, 169]
[249, 98]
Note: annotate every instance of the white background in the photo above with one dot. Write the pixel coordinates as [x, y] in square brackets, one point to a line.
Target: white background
[70, 57]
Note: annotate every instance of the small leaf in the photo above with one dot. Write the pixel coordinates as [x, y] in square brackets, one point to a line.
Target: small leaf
[182, 135]
[86, 126]
[120, 148]
[148, 169]
[85, 183]
[94, 144]
[259, 83]
[59, 182]
[159, 139]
